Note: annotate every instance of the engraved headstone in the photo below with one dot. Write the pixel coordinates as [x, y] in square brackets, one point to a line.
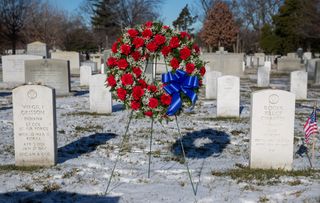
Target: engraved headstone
[51, 72]
[13, 67]
[267, 64]
[228, 96]
[37, 48]
[71, 56]
[211, 84]
[299, 84]
[100, 96]
[85, 74]
[272, 129]
[263, 76]
[34, 120]
[317, 73]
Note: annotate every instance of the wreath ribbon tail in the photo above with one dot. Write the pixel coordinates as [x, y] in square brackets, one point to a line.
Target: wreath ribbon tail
[175, 105]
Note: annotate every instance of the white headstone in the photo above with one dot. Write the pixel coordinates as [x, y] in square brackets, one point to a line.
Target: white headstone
[34, 120]
[71, 56]
[96, 58]
[272, 129]
[100, 96]
[288, 64]
[85, 74]
[263, 77]
[37, 48]
[51, 72]
[211, 84]
[13, 67]
[267, 64]
[102, 69]
[311, 68]
[317, 73]
[299, 84]
[228, 96]
[92, 64]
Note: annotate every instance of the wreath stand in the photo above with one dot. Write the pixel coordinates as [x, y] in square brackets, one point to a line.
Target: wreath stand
[194, 189]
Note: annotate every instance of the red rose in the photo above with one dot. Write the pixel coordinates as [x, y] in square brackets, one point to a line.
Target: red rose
[200, 83]
[125, 49]
[152, 46]
[160, 39]
[148, 24]
[153, 102]
[136, 55]
[138, 42]
[142, 83]
[111, 81]
[135, 105]
[133, 33]
[137, 71]
[114, 47]
[122, 93]
[174, 42]
[184, 35]
[165, 27]
[137, 92]
[112, 61]
[196, 48]
[165, 99]
[127, 79]
[152, 88]
[202, 71]
[189, 68]
[165, 50]
[148, 113]
[147, 33]
[174, 63]
[185, 53]
[122, 64]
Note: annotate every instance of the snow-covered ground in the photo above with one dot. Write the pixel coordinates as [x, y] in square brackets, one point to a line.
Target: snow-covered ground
[88, 145]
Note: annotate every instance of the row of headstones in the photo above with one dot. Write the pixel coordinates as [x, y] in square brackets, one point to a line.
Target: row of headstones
[34, 118]
[271, 139]
[226, 90]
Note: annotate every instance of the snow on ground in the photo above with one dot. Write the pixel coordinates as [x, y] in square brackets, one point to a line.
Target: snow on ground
[88, 145]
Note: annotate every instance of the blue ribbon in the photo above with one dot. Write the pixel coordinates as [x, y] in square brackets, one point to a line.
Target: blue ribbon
[178, 82]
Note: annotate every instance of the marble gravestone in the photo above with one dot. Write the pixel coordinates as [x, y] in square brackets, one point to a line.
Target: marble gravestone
[34, 120]
[51, 72]
[211, 84]
[299, 84]
[228, 96]
[100, 96]
[288, 64]
[92, 64]
[37, 48]
[311, 68]
[97, 58]
[263, 76]
[317, 73]
[272, 129]
[71, 56]
[13, 67]
[267, 64]
[258, 59]
[85, 74]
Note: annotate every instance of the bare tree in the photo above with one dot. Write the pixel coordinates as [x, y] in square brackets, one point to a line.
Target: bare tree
[13, 15]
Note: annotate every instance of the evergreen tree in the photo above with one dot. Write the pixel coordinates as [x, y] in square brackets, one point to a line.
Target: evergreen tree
[219, 28]
[185, 20]
[269, 42]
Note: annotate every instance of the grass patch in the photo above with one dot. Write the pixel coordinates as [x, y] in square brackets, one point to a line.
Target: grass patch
[88, 128]
[266, 176]
[7, 168]
[86, 113]
[230, 119]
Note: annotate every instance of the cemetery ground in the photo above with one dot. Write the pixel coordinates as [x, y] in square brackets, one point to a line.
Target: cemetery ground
[217, 151]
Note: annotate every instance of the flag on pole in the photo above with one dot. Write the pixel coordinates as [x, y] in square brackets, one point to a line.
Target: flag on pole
[311, 125]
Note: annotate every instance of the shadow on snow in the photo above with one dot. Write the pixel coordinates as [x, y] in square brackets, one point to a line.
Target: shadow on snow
[202, 144]
[56, 196]
[82, 146]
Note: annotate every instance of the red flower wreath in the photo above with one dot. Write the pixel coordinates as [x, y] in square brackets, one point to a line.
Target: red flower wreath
[129, 55]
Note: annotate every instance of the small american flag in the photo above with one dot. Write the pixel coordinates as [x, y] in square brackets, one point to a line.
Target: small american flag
[311, 126]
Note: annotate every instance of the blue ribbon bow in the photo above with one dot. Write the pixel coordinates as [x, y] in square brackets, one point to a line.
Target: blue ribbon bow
[178, 82]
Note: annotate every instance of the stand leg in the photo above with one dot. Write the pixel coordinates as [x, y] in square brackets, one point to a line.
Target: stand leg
[185, 160]
[150, 149]
[118, 156]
